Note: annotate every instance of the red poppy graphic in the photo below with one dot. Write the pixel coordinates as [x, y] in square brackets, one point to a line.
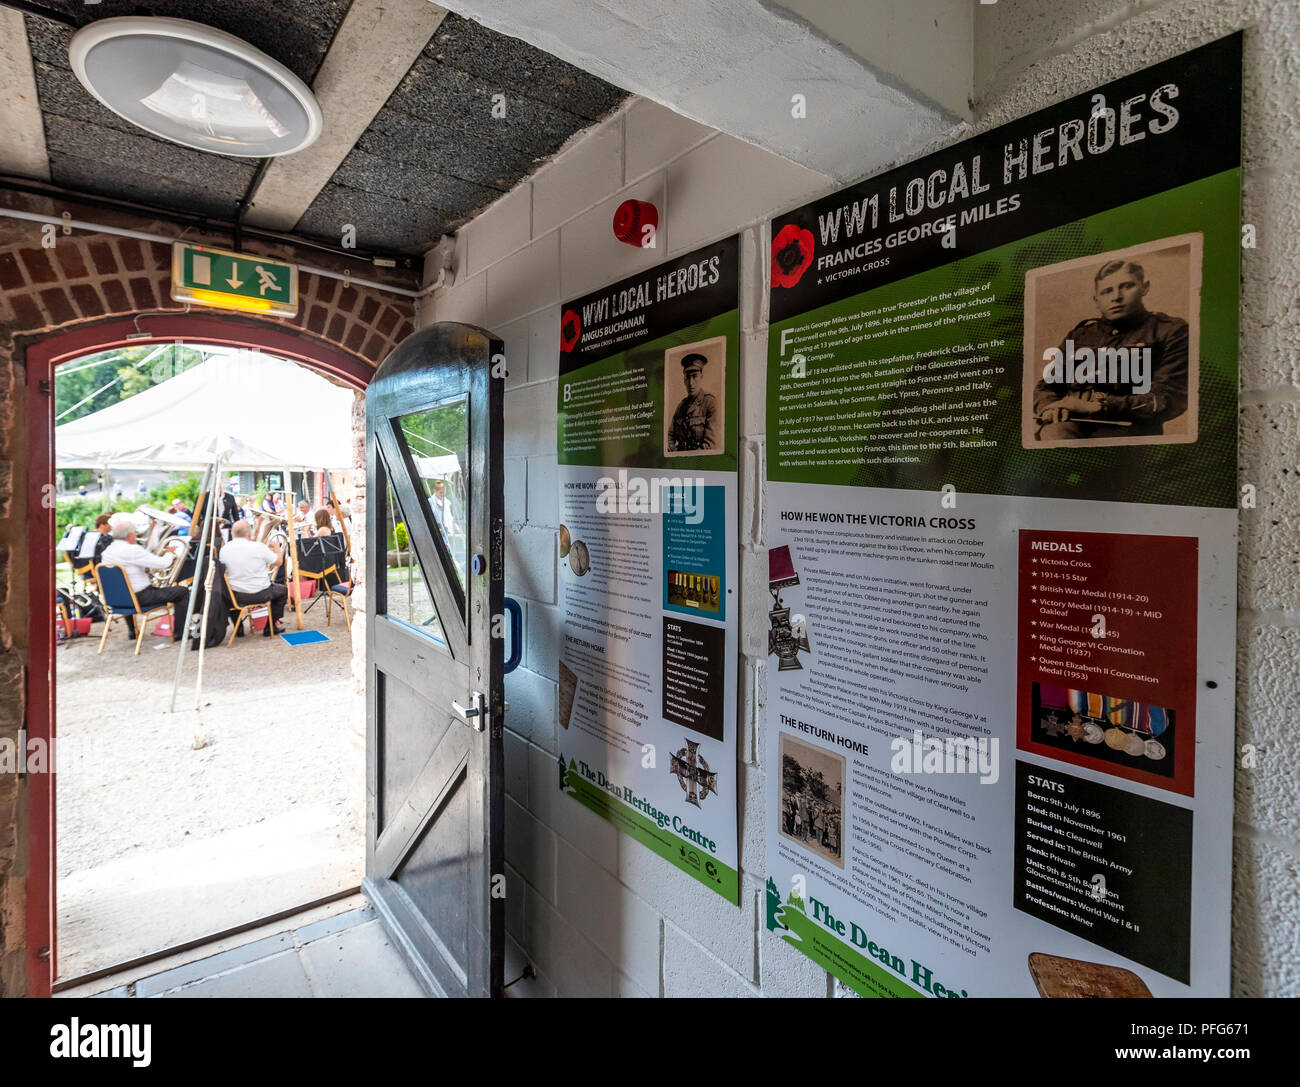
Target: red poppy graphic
[792, 252]
[570, 330]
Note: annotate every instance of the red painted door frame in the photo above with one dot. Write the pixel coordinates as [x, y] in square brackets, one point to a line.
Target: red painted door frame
[42, 355]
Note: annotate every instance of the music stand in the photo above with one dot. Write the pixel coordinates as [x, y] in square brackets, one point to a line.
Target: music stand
[319, 556]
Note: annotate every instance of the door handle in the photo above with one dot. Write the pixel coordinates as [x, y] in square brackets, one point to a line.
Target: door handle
[516, 635]
[474, 715]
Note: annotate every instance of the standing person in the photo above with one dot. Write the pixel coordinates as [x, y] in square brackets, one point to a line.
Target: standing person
[248, 569]
[136, 562]
[229, 507]
[441, 505]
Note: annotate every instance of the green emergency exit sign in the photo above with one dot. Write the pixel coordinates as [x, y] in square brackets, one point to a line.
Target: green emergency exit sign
[242, 281]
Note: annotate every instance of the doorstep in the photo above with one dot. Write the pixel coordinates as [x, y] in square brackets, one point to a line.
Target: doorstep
[340, 950]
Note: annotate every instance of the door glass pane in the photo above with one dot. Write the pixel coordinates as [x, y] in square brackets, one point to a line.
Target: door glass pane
[437, 441]
[407, 593]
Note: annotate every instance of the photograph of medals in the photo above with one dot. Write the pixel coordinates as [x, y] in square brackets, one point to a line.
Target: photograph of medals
[1134, 745]
[1115, 738]
[565, 541]
[579, 558]
[1154, 749]
[1092, 733]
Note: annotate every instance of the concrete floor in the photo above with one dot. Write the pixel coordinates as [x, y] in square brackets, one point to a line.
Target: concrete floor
[346, 953]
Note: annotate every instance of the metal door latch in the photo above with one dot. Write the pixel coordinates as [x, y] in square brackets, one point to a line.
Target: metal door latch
[474, 715]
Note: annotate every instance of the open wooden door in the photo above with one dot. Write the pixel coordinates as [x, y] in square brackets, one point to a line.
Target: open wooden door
[434, 692]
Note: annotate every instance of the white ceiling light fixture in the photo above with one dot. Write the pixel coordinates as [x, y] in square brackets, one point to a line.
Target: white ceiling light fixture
[196, 86]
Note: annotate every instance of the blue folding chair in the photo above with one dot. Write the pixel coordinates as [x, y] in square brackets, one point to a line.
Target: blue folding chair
[119, 602]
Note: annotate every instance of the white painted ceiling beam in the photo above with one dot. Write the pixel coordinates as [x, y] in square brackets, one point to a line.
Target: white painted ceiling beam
[22, 143]
[375, 46]
[736, 66]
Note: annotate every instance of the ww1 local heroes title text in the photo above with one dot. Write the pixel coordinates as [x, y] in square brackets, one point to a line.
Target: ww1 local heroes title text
[638, 296]
[1070, 141]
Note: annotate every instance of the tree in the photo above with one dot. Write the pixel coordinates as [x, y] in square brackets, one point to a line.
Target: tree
[792, 775]
[116, 375]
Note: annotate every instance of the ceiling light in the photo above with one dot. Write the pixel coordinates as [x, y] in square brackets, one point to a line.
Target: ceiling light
[195, 86]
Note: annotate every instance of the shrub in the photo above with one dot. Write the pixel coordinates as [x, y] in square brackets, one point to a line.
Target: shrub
[401, 539]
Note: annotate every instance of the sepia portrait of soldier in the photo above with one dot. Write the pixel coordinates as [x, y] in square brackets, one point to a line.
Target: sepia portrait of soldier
[1123, 374]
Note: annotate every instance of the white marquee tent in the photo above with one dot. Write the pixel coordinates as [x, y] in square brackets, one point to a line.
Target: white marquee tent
[258, 410]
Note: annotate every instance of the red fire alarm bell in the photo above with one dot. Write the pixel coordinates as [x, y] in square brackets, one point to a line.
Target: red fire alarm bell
[635, 223]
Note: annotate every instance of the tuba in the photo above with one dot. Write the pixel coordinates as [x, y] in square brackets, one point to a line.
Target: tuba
[177, 548]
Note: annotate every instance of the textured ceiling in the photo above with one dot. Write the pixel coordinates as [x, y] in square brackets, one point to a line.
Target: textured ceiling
[432, 157]
[93, 150]
[435, 154]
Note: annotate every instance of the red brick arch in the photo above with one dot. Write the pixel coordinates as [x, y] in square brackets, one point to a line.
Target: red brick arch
[89, 293]
[91, 276]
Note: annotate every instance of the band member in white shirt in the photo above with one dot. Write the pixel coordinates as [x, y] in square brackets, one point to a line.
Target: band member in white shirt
[441, 504]
[137, 562]
[248, 569]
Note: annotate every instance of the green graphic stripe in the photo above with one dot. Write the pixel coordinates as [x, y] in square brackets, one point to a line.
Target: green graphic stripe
[648, 452]
[865, 977]
[1202, 473]
[660, 839]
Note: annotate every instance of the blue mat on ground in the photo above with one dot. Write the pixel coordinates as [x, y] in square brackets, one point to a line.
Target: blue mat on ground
[305, 637]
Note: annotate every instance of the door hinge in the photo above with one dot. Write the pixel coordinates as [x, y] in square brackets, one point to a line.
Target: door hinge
[474, 715]
[45, 386]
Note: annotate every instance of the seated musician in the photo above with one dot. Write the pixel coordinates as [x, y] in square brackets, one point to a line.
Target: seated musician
[248, 569]
[137, 562]
[324, 524]
[105, 530]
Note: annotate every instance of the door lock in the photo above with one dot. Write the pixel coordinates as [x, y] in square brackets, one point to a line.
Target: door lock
[474, 715]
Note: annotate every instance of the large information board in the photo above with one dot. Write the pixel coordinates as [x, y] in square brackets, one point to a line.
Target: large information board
[648, 583]
[1001, 514]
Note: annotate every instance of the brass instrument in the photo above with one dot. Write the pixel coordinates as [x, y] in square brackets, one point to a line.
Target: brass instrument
[175, 547]
[267, 524]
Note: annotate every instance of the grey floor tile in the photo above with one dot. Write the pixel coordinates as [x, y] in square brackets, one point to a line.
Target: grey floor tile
[330, 925]
[277, 976]
[214, 964]
[359, 962]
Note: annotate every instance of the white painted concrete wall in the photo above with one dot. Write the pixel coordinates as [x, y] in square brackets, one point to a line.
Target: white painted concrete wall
[736, 65]
[905, 38]
[597, 914]
[1032, 52]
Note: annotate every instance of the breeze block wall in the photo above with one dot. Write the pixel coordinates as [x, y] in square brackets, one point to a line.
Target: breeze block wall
[596, 913]
[85, 278]
[1033, 52]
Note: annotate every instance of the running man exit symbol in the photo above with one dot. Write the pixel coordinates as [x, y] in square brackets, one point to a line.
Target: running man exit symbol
[266, 279]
